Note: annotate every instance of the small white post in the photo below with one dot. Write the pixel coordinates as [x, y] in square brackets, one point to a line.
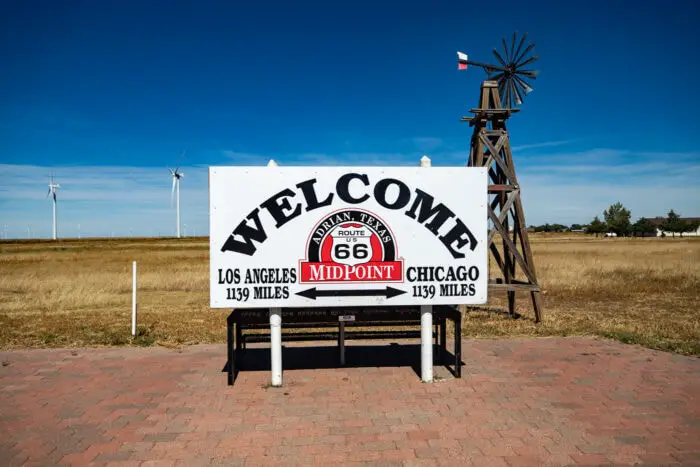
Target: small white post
[276, 345]
[133, 302]
[426, 325]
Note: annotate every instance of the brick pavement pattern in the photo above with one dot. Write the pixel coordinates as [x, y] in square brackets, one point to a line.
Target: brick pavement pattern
[555, 401]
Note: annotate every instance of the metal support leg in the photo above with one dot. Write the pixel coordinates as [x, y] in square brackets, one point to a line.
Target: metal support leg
[341, 341]
[458, 345]
[443, 339]
[436, 339]
[230, 348]
[239, 337]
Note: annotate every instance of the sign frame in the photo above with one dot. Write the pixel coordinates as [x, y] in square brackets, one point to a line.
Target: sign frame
[449, 202]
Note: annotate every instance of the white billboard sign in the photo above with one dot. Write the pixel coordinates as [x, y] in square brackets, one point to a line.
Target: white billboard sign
[347, 236]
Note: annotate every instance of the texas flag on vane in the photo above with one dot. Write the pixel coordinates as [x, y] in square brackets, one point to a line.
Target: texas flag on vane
[461, 61]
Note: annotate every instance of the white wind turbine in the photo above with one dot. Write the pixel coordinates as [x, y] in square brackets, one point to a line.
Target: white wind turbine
[177, 175]
[52, 191]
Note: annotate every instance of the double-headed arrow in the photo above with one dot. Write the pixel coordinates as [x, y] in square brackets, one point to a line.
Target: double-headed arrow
[387, 292]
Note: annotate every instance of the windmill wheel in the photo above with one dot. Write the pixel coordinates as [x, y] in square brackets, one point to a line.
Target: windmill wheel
[514, 80]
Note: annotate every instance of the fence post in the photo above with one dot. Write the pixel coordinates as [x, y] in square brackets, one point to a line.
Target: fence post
[133, 301]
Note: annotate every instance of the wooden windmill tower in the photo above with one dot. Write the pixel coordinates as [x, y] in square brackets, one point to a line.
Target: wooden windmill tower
[490, 147]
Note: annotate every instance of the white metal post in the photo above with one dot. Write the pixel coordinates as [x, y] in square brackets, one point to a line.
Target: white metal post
[426, 325]
[276, 345]
[133, 302]
[55, 233]
[275, 334]
[178, 206]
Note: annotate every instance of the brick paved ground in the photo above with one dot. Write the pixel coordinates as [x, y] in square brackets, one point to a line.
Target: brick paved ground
[569, 401]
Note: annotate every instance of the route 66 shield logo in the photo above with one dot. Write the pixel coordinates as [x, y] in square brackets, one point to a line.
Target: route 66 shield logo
[351, 244]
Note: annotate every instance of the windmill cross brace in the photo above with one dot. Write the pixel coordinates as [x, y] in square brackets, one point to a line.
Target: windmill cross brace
[422, 210]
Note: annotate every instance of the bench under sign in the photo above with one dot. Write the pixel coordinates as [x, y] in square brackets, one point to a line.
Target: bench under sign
[340, 324]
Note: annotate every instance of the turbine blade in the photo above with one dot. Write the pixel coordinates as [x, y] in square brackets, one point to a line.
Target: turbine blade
[182, 154]
[498, 57]
[172, 192]
[47, 194]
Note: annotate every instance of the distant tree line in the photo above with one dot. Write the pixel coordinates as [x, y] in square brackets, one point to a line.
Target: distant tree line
[617, 220]
[551, 228]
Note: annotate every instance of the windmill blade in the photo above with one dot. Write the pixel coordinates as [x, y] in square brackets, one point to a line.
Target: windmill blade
[528, 61]
[172, 172]
[497, 77]
[512, 46]
[523, 84]
[505, 50]
[524, 53]
[505, 97]
[504, 93]
[172, 193]
[498, 57]
[520, 45]
[47, 194]
[516, 92]
[509, 95]
[502, 90]
[532, 74]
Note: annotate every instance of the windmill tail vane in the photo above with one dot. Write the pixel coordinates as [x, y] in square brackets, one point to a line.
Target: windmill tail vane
[510, 74]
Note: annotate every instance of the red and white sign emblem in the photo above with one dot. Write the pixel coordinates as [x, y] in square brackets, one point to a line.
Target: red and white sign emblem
[351, 245]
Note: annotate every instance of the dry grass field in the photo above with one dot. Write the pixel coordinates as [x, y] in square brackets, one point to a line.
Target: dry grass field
[78, 293]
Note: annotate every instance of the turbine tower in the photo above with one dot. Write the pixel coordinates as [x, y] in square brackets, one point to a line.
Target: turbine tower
[177, 175]
[52, 191]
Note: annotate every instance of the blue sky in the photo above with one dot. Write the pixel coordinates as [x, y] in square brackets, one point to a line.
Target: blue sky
[107, 94]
